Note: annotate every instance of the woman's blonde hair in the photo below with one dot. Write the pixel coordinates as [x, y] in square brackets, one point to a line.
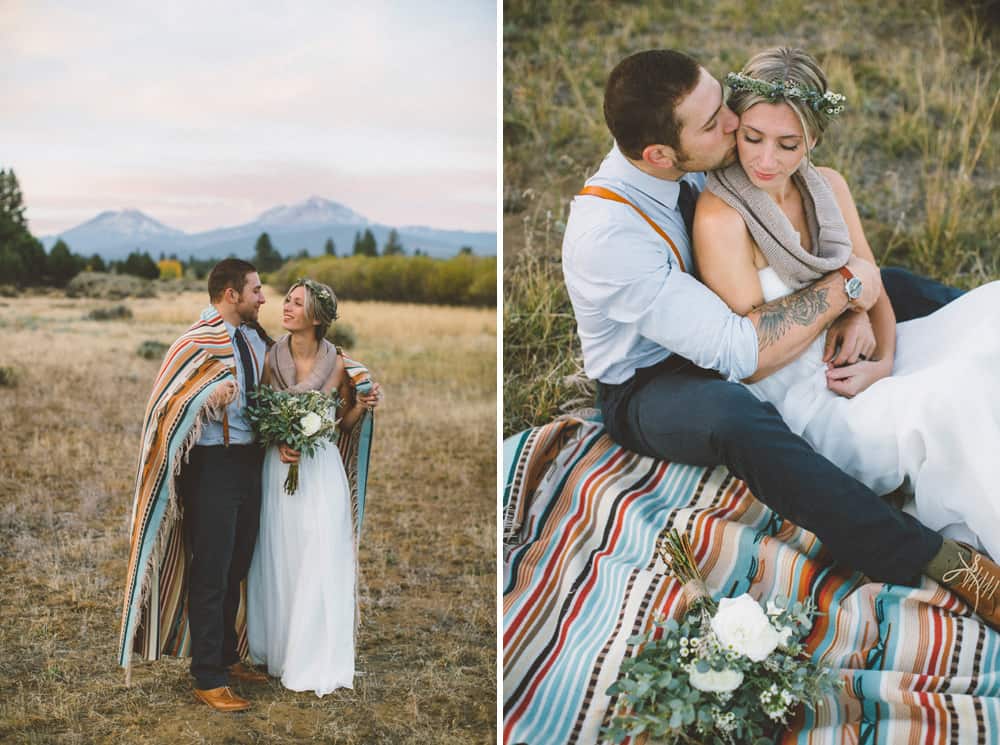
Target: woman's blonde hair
[797, 70]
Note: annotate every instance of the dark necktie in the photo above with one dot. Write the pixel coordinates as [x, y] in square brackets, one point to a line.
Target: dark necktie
[247, 361]
[685, 203]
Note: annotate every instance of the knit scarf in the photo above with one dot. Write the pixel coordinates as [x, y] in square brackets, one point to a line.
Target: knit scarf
[282, 366]
[773, 232]
[355, 447]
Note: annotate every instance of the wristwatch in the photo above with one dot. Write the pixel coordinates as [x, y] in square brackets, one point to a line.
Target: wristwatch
[852, 285]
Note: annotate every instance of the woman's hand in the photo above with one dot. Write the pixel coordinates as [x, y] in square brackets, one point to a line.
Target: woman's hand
[371, 399]
[850, 380]
[849, 338]
[287, 454]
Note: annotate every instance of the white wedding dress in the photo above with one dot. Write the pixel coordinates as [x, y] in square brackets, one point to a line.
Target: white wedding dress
[301, 584]
[932, 427]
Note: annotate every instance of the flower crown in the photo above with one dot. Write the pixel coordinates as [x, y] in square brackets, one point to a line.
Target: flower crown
[321, 295]
[829, 103]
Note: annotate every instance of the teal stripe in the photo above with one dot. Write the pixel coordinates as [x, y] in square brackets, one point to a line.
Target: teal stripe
[152, 526]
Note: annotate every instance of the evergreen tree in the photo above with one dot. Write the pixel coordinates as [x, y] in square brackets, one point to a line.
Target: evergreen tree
[329, 248]
[96, 264]
[303, 254]
[22, 257]
[356, 249]
[11, 201]
[265, 256]
[465, 251]
[140, 265]
[392, 245]
[368, 245]
[62, 265]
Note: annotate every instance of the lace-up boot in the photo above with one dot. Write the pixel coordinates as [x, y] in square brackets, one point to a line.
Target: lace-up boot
[975, 578]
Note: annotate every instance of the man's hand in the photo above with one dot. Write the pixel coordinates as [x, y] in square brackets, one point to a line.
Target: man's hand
[849, 338]
[849, 381]
[871, 282]
[223, 394]
[287, 454]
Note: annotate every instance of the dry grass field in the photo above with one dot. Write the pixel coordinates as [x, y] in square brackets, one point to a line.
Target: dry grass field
[70, 426]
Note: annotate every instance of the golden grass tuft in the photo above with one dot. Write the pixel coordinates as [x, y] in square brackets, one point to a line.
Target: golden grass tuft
[426, 655]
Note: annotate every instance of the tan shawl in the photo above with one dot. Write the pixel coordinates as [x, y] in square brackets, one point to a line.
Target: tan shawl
[773, 232]
[282, 366]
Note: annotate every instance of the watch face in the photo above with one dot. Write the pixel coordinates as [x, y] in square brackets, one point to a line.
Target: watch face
[853, 288]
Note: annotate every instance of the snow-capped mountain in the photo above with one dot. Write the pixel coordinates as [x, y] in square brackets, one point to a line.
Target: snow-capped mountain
[129, 225]
[313, 211]
[304, 225]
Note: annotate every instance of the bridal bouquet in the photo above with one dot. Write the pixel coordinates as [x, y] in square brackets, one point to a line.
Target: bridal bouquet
[300, 420]
[726, 673]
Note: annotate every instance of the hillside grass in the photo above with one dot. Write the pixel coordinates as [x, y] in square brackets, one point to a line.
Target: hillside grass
[918, 143]
[72, 396]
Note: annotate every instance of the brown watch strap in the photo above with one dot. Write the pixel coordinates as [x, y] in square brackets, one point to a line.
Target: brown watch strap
[848, 274]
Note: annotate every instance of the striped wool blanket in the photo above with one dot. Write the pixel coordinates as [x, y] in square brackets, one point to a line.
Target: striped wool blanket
[154, 612]
[582, 517]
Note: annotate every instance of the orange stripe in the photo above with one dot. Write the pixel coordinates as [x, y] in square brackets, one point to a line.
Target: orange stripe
[600, 191]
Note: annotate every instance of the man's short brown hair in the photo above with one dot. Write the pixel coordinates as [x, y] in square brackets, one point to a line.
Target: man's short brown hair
[641, 95]
[228, 273]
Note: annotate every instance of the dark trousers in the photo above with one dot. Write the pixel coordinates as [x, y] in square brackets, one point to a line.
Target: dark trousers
[220, 487]
[677, 411]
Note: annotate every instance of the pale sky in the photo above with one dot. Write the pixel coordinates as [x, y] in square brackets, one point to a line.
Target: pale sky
[203, 114]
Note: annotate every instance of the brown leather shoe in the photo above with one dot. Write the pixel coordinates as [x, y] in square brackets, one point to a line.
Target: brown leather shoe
[239, 671]
[222, 699]
[976, 579]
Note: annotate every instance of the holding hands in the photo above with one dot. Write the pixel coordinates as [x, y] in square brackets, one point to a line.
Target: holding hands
[850, 380]
[850, 342]
[849, 338]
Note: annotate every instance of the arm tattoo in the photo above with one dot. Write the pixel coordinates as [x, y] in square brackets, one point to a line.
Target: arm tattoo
[800, 309]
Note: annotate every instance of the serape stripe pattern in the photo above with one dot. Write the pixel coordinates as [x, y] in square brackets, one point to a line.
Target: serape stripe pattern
[154, 618]
[582, 518]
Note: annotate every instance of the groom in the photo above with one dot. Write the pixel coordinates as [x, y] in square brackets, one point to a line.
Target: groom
[221, 490]
[193, 536]
[668, 354]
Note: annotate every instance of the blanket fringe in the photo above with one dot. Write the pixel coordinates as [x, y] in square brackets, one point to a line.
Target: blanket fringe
[171, 515]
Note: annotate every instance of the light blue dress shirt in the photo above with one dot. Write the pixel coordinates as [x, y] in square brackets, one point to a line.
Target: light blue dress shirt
[634, 305]
[240, 431]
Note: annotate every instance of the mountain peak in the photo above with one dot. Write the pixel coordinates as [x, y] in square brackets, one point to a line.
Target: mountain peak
[130, 223]
[312, 211]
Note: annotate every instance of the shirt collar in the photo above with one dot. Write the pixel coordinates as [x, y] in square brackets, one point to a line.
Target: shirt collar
[616, 166]
[230, 328]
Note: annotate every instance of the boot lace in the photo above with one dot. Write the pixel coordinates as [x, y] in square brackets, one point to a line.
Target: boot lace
[973, 577]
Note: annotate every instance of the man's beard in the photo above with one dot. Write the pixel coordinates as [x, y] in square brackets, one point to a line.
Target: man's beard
[690, 165]
[249, 313]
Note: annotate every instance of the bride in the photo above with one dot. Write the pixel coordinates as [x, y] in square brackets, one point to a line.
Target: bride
[301, 584]
[914, 406]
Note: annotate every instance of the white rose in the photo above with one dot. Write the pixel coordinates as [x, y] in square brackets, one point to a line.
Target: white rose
[715, 681]
[740, 623]
[310, 424]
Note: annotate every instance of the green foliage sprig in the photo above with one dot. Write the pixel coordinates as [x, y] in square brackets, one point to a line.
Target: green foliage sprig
[300, 420]
[724, 673]
[828, 102]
